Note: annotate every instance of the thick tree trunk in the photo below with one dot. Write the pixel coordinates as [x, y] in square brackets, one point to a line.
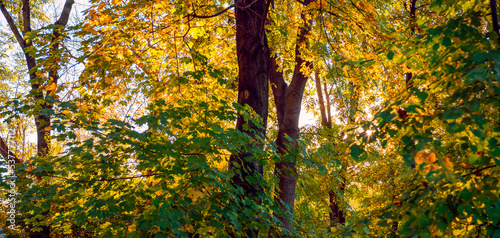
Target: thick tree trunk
[253, 88]
[288, 101]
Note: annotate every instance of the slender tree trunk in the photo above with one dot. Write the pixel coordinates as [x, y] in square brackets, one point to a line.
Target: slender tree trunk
[413, 11]
[328, 108]
[253, 87]
[319, 91]
[288, 99]
[336, 212]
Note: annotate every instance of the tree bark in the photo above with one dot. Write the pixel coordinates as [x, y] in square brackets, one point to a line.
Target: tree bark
[337, 215]
[6, 153]
[253, 62]
[324, 119]
[413, 12]
[288, 101]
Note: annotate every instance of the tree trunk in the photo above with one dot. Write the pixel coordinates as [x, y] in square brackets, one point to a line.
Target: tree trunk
[336, 214]
[253, 87]
[288, 101]
[413, 11]
[324, 119]
[496, 29]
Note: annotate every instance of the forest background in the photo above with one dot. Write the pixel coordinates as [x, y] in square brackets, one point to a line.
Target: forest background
[169, 118]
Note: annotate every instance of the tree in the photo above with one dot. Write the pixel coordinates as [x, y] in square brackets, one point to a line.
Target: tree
[253, 63]
[43, 84]
[336, 213]
[288, 100]
[43, 87]
[165, 130]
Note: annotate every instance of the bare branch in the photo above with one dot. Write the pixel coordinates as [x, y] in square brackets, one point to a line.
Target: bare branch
[194, 15]
[104, 179]
[12, 26]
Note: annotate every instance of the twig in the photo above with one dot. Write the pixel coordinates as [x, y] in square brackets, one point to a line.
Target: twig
[194, 15]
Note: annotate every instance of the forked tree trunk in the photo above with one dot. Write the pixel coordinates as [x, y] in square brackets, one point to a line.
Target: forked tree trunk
[288, 99]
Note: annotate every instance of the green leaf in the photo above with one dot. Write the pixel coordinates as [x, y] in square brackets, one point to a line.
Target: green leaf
[435, 47]
[390, 55]
[421, 95]
[452, 113]
[496, 234]
[478, 133]
[479, 57]
[282, 32]
[479, 119]
[446, 41]
[472, 105]
[474, 159]
[347, 234]
[455, 127]
[466, 194]
[356, 152]
[424, 220]
[494, 152]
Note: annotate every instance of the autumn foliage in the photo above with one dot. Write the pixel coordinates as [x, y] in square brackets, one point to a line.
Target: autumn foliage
[250, 118]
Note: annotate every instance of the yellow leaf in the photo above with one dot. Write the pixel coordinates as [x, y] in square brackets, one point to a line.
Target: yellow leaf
[447, 163]
[52, 87]
[131, 228]
[424, 156]
[194, 194]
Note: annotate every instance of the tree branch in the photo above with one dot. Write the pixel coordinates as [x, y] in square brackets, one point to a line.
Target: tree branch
[26, 17]
[12, 26]
[60, 23]
[278, 86]
[194, 15]
[478, 170]
[494, 17]
[63, 19]
[105, 179]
